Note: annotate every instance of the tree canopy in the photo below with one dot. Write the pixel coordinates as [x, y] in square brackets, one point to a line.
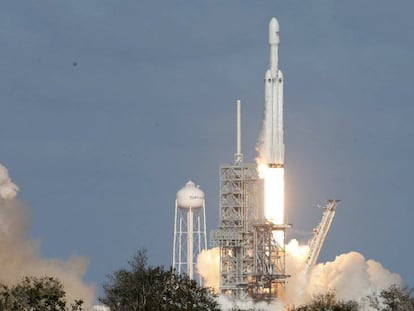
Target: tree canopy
[38, 294]
[328, 302]
[393, 299]
[142, 287]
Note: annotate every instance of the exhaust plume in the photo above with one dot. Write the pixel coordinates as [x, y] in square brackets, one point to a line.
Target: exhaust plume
[19, 255]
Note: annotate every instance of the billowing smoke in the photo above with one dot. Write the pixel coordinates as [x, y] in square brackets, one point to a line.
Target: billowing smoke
[350, 275]
[227, 304]
[100, 308]
[19, 253]
[208, 266]
[8, 190]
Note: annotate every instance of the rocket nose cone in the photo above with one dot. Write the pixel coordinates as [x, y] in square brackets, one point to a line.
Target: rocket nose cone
[280, 74]
[274, 24]
[274, 31]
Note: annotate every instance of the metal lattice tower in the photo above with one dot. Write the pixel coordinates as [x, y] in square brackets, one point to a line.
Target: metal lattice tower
[251, 262]
[238, 205]
[270, 273]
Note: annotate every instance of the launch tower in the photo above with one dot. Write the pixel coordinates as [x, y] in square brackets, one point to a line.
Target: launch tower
[252, 263]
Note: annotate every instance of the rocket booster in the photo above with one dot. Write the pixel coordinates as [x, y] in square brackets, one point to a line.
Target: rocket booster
[273, 123]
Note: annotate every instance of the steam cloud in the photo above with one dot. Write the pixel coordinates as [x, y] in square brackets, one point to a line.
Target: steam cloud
[19, 253]
[350, 275]
[248, 304]
[8, 190]
[208, 266]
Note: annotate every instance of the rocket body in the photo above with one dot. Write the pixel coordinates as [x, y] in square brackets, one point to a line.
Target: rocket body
[273, 124]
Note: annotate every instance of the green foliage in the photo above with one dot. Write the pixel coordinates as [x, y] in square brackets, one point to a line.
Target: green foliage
[393, 299]
[142, 287]
[328, 302]
[37, 294]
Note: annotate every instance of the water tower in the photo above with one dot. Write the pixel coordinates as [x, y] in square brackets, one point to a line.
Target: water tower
[189, 228]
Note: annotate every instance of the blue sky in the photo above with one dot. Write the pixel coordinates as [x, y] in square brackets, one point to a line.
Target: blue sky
[107, 108]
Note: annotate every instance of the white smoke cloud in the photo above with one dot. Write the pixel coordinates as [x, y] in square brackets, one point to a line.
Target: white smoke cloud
[19, 255]
[208, 266]
[100, 308]
[227, 304]
[8, 190]
[350, 275]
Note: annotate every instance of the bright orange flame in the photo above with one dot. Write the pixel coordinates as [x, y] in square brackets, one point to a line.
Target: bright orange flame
[274, 197]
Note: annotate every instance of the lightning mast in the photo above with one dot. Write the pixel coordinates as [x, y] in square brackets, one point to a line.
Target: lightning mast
[238, 207]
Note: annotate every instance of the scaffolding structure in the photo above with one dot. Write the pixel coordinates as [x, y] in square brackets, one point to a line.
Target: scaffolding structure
[238, 206]
[252, 263]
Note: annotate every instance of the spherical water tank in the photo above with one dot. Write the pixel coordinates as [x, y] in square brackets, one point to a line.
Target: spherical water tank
[190, 196]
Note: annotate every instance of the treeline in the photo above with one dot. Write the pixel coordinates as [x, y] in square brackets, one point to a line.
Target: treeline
[36, 294]
[391, 299]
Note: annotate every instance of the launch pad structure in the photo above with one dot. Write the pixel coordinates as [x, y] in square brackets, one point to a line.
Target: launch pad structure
[251, 240]
[252, 263]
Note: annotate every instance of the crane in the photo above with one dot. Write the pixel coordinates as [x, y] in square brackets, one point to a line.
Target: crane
[320, 231]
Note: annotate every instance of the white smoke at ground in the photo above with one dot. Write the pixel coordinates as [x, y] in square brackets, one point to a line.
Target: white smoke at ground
[296, 256]
[100, 308]
[19, 255]
[227, 304]
[208, 267]
[350, 276]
